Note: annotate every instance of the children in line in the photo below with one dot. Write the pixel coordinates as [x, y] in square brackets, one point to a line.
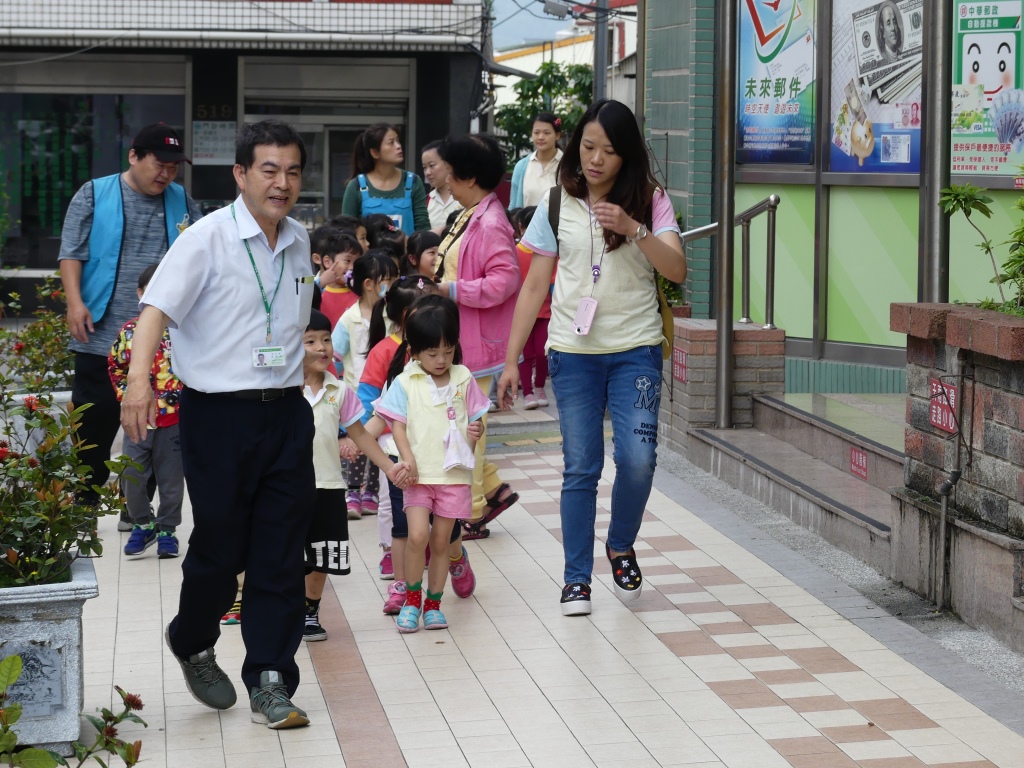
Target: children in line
[383, 341]
[334, 405]
[370, 277]
[333, 253]
[421, 254]
[159, 454]
[432, 402]
[353, 226]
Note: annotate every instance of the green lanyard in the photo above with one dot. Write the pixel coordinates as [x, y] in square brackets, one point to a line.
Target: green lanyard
[267, 305]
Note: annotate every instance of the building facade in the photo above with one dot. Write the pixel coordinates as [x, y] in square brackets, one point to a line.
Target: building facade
[78, 78]
[830, 117]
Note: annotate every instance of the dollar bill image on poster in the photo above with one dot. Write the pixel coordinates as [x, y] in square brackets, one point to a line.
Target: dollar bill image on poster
[987, 105]
[775, 121]
[875, 97]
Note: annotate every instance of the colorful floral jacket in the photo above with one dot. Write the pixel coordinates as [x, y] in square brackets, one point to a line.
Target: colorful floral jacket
[167, 385]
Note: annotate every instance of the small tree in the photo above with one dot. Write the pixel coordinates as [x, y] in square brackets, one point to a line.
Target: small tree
[564, 90]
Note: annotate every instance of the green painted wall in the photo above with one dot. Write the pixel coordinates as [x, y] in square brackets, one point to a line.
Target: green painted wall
[678, 111]
[794, 257]
[970, 270]
[873, 242]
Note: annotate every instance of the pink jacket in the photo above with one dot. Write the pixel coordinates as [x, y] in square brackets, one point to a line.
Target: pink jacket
[487, 287]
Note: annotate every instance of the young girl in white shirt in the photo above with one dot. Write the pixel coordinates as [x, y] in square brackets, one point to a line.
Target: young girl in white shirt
[371, 274]
[429, 402]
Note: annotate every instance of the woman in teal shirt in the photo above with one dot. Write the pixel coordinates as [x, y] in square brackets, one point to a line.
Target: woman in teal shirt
[379, 185]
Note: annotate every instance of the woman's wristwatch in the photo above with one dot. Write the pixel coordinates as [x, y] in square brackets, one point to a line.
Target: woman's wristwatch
[641, 233]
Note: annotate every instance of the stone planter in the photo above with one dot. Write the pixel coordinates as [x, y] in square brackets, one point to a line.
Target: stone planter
[983, 564]
[44, 625]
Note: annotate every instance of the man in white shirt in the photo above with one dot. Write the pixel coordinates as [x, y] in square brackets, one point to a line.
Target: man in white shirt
[235, 291]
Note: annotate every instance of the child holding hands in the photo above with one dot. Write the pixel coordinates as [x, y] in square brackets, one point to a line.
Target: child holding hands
[431, 406]
[334, 406]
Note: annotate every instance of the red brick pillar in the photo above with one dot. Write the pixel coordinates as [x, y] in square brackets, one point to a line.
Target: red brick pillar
[688, 395]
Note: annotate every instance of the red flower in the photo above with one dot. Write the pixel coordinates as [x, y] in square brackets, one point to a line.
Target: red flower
[3, 453]
[31, 402]
[33, 462]
[18, 347]
[55, 295]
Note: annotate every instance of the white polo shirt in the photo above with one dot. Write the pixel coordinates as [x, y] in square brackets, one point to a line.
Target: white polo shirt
[438, 210]
[207, 287]
[539, 178]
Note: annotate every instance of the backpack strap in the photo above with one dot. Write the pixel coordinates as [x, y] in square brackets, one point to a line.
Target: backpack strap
[408, 183]
[554, 210]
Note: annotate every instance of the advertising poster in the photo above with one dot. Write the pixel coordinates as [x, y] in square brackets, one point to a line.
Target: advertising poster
[876, 86]
[776, 82]
[987, 101]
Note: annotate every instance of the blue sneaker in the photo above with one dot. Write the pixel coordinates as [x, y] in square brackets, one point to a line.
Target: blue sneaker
[408, 619]
[166, 545]
[434, 620]
[142, 538]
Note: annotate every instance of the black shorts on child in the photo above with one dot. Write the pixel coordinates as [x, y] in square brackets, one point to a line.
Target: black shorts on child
[327, 540]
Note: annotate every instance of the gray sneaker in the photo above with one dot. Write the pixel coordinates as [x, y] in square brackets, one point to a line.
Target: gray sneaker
[271, 706]
[204, 679]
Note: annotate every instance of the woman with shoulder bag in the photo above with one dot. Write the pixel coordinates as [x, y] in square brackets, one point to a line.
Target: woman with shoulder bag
[615, 228]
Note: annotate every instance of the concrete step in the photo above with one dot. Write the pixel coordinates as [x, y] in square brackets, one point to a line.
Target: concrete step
[867, 445]
[841, 508]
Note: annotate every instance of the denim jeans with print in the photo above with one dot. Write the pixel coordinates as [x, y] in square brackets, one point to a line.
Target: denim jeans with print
[628, 384]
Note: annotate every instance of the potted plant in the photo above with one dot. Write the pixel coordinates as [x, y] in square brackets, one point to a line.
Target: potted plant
[17, 755]
[46, 534]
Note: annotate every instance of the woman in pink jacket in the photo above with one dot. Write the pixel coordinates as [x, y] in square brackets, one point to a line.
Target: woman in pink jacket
[479, 270]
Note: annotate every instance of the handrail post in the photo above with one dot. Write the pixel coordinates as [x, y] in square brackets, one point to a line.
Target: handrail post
[725, 203]
[745, 273]
[769, 281]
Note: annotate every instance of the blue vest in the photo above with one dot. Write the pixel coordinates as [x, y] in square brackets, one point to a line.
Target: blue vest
[99, 273]
[398, 208]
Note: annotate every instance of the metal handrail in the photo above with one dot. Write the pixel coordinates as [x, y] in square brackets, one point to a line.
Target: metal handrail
[769, 205]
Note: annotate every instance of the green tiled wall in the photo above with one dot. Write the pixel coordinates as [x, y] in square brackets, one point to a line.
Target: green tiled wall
[805, 376]
[679, 105]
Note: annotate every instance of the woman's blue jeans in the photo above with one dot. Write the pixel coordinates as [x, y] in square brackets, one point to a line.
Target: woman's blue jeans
[628, 384]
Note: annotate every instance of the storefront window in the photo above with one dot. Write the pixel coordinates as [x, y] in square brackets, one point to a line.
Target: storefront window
[50, 145]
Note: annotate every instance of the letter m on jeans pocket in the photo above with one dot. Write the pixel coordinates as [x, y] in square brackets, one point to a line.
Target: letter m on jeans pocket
[649, 394]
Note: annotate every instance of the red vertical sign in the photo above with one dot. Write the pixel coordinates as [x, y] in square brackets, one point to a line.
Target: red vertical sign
[679, 364]
[858, 462]
[942, 407]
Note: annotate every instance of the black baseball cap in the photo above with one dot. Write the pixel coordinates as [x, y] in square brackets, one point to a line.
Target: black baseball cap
[163, 141]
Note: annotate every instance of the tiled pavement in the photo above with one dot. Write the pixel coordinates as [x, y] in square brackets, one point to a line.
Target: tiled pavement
[725, 662]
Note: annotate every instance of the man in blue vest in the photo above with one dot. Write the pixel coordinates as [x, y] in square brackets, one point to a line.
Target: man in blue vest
[115, 227]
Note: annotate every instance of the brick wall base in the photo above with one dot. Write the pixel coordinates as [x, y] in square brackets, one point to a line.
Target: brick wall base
[688, 394]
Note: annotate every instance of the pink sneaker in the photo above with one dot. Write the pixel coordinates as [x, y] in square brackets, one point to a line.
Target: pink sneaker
[396, 598]
[354, 502]
[370, 503]
[541, 395]
[387, 568]
[463, 579]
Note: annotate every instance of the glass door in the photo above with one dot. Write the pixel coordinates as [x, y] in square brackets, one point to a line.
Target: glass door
[339, 142]
[311, 203]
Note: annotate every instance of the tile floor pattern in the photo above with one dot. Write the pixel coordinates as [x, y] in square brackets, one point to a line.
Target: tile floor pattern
[723, 663]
